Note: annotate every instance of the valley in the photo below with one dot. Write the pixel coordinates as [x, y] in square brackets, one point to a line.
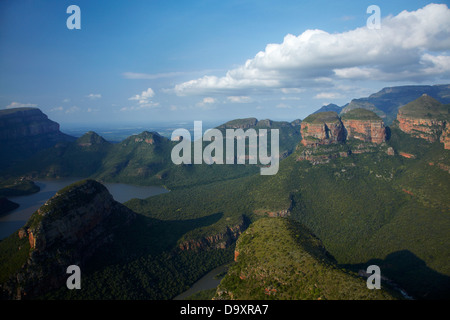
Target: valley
[345, 197]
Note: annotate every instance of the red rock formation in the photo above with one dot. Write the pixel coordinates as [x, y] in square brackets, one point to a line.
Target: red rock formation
[366, 130]
[407, 155]
[321, 133]
[428, 129]
[445, 137]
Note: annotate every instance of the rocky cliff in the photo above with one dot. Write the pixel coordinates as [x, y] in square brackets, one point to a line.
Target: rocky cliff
[322, 128]
[425, 118]
[66, 230]
[327, 127]
[364, 125]
[24, 131]
[445, 137]
[220, 240]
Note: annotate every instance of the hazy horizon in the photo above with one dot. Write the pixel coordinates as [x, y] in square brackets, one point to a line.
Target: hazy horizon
[154, 61]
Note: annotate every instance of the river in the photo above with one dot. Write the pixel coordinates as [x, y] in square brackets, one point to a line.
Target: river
[208, 281]
[15, 219]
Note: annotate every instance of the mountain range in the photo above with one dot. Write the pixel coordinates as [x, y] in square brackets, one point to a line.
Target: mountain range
[352, 190]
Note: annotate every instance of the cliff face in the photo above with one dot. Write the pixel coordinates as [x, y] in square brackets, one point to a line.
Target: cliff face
[322, 128]
[66, 230]
[428, 129]
[327, 127]
[366, 130]
[425, 118]
[445, 137]
[219, 240]
[24, 131]
[22, 123]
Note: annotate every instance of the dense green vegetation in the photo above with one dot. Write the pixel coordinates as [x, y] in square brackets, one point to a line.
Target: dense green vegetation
[367, 208]
[360, 114]
[17, 187]
[426, 107]
[387, 101]
[143, 159]
[280, 259]
[328, 116]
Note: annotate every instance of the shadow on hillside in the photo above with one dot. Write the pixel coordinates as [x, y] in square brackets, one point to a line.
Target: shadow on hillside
[410, 273]
[147, 236]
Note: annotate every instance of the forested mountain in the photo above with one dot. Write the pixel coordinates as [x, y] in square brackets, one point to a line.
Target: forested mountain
[369, 193]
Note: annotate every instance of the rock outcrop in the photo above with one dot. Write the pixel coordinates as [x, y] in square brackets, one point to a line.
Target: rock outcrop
[425, 118]
[24, 131]
[445, 137]
[322, 128]
[220, 240]
[66, 230]
[327, 127]
[364, 125]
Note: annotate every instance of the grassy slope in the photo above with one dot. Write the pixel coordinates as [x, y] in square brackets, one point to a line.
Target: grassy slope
[280, 259]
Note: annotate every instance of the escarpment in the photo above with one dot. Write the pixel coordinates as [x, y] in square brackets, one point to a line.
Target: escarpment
[425, 118]
[66, 230]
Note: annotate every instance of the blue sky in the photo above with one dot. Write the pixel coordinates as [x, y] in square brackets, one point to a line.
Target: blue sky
[159, 61]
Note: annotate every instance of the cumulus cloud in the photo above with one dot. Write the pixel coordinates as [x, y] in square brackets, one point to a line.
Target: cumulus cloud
[20, 105]
[144, 97]
[411, 46]
[208, 103]
[144, 101]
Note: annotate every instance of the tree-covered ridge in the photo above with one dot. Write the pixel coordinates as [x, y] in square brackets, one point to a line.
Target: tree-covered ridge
[277, 258]
[317, 118]
[360, 114]
[425, 107]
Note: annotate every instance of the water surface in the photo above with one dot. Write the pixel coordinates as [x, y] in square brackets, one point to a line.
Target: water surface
[15, 219]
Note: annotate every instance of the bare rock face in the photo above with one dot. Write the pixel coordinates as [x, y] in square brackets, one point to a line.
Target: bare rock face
[428, 129]
[220, 240]
[322, 128]
[364, 125]
[445, 137]
[25, 131]
[425, 118]
[366, 130]
[25, 122]
[67, 230]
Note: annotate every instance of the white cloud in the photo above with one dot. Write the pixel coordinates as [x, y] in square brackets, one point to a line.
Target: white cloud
[144, 97]
[412, 46]
[208, 103]
[328, 95]
[94, 96]
[57, 109]
[239, 99]
[20, 105]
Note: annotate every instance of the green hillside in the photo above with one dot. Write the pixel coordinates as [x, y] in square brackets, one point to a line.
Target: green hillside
[426, 107]
[316, 118]
[280, 259]
[360, 114]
